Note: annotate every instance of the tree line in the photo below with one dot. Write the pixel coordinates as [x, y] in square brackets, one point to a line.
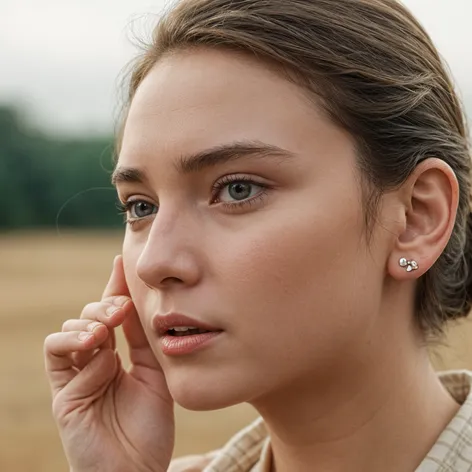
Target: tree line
[50, 182]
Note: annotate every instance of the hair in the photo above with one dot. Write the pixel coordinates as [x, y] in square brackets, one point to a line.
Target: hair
[376, 74]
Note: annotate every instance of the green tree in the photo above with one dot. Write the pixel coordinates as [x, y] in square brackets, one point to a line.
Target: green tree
[44, 181]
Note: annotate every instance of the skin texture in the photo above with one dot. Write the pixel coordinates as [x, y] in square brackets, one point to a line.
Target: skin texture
[109, 419]
[318, 330]
[307, 307]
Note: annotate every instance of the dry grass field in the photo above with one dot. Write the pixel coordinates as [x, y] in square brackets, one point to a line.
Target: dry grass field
[45, 279]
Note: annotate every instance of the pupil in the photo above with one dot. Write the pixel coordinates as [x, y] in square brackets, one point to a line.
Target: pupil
[142, 209]
[240, 190]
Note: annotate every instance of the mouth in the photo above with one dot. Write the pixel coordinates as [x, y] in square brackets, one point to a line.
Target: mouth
[176, 325]
[180, 335]
[185, 331]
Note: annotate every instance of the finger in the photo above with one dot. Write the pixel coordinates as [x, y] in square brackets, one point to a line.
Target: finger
[81, 325]
[101, 332]
[140, 351]
[116, 285]
[58, 348]
[144, 364]
[93, 380]
[110, 312]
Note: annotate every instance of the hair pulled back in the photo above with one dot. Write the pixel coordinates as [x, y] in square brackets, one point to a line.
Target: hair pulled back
[375, 72]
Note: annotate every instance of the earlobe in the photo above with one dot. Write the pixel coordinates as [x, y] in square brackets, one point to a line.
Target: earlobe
[408, 265]
[429, 198]
[405, 268]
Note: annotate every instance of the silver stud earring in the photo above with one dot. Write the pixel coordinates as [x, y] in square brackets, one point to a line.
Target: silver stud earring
[408, 265]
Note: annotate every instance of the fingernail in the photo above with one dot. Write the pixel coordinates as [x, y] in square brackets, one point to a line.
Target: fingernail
[93, 325]
[112, 309]
[120, 301]
[84, 336]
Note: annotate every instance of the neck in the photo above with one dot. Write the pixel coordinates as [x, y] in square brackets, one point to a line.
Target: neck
[386, 417]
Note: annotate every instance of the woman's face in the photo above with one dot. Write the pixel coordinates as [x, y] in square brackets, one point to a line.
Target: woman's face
[263, 238]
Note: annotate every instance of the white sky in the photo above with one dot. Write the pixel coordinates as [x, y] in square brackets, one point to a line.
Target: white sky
[60, 59]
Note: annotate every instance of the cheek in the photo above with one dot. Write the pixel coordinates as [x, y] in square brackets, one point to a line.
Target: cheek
[305, 274]
[288, 254]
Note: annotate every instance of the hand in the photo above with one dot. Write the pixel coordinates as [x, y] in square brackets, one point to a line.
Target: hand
[109, 419]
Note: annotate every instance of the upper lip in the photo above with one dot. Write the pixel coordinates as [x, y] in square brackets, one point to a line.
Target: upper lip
[163, 323]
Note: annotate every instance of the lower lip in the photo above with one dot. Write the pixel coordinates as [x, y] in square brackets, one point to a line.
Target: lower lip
[181, 345]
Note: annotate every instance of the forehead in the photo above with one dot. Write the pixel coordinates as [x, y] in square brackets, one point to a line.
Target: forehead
[201, 79]
[197, 99]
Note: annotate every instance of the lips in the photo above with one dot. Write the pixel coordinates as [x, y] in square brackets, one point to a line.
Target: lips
[180, 335]
[164, 324]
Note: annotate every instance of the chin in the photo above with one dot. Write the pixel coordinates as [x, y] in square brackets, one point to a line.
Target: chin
[197, 393]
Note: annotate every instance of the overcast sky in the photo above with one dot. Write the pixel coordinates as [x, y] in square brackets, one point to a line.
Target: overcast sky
[60, 59]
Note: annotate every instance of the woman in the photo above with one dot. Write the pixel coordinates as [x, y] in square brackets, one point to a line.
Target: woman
[296, 178]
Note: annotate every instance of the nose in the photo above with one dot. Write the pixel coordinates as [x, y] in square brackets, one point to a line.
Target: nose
[169, 258]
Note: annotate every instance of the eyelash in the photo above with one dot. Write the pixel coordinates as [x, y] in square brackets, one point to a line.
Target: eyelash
[229, 179]
[125, 207]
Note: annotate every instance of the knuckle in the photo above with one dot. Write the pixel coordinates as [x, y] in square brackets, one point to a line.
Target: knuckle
[67, 325]
[121, 300]
[49, 341]
[93, 325]
[118, 300]
[90, 310]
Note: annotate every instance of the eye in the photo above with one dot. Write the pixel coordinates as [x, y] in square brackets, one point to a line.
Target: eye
[238, 190]
[141, 209]
[138, 209]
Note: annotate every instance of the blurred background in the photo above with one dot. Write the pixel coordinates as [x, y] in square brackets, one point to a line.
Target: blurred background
[61, 64]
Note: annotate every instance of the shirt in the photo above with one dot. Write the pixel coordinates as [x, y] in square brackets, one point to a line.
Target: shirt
[249, 450]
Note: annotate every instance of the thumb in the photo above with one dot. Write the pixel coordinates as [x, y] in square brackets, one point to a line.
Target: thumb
[117, 283]
[94, 378]
[116, 286]
[140, 351]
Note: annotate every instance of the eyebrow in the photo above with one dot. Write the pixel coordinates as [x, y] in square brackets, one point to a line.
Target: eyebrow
[208, 158]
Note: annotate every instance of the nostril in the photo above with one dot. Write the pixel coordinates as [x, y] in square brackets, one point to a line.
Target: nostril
[171, 281]
[165, 282]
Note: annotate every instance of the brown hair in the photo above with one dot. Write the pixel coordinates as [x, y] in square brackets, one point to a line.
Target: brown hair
[376, 73]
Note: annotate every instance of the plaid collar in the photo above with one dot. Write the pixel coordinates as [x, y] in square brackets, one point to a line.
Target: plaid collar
[249, 450]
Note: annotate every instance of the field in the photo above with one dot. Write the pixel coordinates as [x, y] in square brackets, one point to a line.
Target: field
[46, 278]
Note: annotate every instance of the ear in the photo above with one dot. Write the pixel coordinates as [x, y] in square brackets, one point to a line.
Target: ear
[429, 200]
